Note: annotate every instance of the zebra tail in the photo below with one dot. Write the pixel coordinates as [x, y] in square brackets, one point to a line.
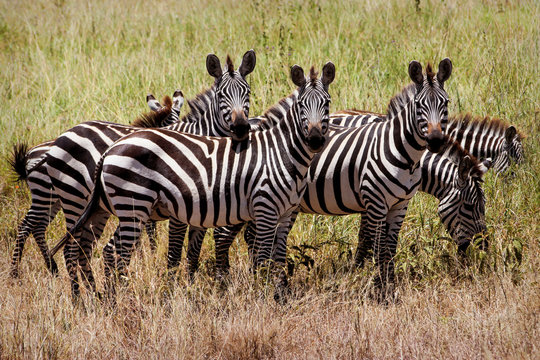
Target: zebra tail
[18, 160]
[90, 208]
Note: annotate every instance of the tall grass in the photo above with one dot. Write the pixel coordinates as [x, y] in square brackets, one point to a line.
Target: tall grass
[65, 62]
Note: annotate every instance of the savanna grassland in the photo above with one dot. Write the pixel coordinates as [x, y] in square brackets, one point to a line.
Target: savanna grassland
[66, 62]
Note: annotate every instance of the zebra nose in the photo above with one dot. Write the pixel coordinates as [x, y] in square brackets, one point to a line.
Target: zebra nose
[239, 126]
[315, 140]
[435, 140]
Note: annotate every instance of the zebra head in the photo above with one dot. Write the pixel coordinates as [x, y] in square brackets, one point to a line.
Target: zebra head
[177, 103]
[314, 103]
[462, 210]
[232, 93]
[431, 101]
[512, 150]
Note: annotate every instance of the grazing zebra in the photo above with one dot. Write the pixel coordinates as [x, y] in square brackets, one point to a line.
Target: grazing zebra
[221, 110]
[483, 137]
[488, 138]
[209, 182]
[30, 166]
[372, 170]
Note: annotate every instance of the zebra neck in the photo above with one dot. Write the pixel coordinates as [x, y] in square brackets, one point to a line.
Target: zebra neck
[291, 144]
[204, 117]
[275, 114]
[438, 173]
[405, 142]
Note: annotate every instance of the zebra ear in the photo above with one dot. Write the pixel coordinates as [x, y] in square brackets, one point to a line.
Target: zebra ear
[510, 134]
[465, 166]
[213, 66]
[153, 104]
[445, 70]
[415, 72]
[485, 165]
[297, 76]
[328, 74]
[248, 63]
[178, 101]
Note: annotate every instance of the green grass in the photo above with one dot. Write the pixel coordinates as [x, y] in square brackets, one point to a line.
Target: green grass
[65, 62]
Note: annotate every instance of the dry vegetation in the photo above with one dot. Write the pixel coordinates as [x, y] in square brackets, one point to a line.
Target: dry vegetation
[64, 62]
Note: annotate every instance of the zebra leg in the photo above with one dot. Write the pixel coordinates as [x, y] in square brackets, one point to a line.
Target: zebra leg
[365, 243]
[384, 255]
[129, 232]
[71, 255]
[35, 222]
[90, 236]
[195, 240]
[279, 255]
[150, 228]
[177, 233]
[223, 238]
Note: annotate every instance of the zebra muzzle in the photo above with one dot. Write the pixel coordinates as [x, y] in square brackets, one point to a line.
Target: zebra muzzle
[239, 126]
[435, 140]
[315, 140]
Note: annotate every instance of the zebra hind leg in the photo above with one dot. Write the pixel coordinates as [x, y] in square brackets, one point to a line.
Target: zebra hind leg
[35, 222]
[151, 231]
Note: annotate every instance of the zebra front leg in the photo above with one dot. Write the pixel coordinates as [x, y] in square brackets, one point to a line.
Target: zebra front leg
[279, 255]
[384, 255]
[365, 243]
[223, 238]
[264, 247]
[195, 240]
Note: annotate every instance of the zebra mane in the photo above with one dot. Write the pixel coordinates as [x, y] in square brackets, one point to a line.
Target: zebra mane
[154, 119]
[401, 100]
[455, 152]
[275, 113]
[199, 105]
[429, 74]
[486, 124]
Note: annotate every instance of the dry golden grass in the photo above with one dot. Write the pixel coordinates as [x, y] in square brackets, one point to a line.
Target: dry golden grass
[65, 62]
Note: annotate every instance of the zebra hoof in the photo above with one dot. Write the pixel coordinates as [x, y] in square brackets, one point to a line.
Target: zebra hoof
[53, 268]
[14, 273]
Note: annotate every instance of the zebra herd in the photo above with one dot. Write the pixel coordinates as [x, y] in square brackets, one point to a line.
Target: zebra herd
[218, 168]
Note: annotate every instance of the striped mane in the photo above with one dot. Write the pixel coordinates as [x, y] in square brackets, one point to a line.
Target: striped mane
[399, 101]
[154, 119]
[276, 109]
[199, 105]
[486, 124]
[453, 151]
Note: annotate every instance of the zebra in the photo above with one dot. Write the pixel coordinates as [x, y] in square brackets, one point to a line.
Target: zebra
[210, 182]
[29, 165]
[221, 110]
[488, 138]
